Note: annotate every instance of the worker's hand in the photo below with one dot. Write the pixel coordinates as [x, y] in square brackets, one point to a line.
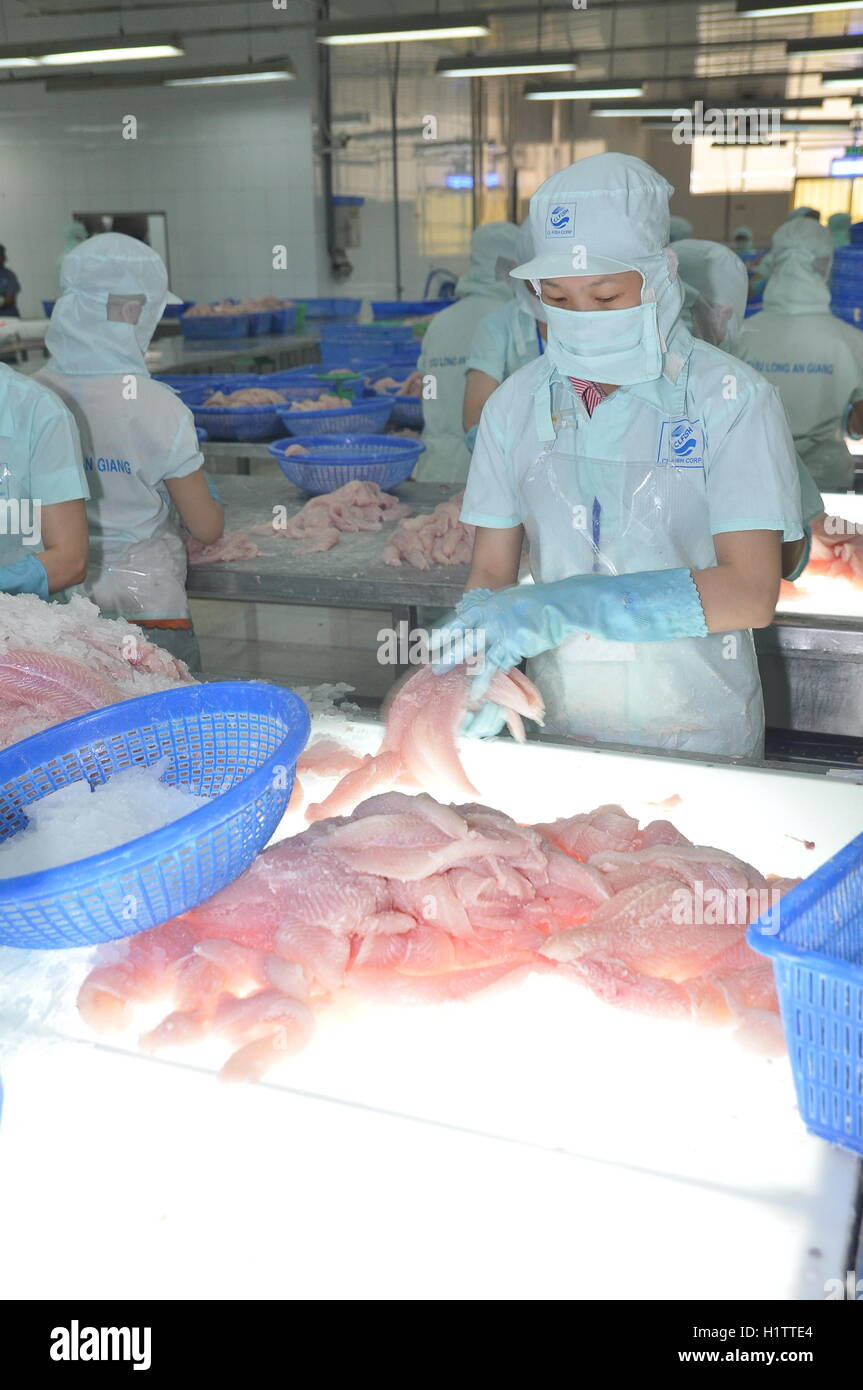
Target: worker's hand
[486, 722]
[25, 576]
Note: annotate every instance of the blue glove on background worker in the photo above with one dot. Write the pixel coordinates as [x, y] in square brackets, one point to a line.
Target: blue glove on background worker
[25, 576]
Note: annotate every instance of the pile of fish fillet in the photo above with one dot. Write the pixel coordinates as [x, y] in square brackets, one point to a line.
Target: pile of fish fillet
[317, 526]
[246, 395]
[394, 897]
[436, 538]
[59, 660]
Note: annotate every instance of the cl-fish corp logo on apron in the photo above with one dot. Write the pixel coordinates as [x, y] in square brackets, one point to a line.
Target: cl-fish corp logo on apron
[681, 444]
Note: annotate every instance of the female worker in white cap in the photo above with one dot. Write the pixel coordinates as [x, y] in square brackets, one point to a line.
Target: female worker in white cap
[654, 478]
[141, 453]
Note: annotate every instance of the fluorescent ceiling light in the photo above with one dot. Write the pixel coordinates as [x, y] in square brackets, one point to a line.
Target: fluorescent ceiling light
[813, 48]
[504, 64]
[78, 52]
[765, 9]
[386, 30]
[221, 79]
[851, 77]
[111, 55]
[585, 93]
[638, 110]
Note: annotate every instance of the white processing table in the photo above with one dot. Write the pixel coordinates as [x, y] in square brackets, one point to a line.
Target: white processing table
[533, 1145]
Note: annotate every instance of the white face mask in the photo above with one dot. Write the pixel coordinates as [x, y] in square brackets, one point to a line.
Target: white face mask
[621, 347]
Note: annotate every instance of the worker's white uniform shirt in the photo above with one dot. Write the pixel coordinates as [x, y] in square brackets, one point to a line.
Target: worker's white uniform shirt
[505, 341]
[444, 359]
[40, 462]
[644, 484]
[815, 361]
[131, 447]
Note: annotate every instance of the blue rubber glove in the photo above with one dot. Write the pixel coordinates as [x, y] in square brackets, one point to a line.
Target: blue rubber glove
[25, 576]
[213, 490]
[486, 722]
[470, 437]
[527, 619]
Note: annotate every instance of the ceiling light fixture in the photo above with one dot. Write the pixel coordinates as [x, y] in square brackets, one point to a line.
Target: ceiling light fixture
[504, 65]
[423, 27]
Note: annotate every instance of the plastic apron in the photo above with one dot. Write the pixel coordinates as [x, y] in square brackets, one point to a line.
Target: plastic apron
[143, 580]
[587, 515]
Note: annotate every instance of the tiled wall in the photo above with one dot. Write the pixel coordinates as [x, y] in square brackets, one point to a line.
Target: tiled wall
[231, 167]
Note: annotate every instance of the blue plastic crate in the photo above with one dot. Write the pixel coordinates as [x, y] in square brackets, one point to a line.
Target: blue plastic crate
[260, 322]
[175, 311]
[408, 308]
[332, 308]
[407, 410]
[211, 326]
[364, 417]
[817, 955]
[234, 741]
[283, 320]
[365, 458]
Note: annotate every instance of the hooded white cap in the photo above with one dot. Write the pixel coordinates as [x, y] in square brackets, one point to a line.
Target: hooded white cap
[493, 253]
[114, 291]
[601, 215]
[604, 215]
[717, 290]
[801, 256]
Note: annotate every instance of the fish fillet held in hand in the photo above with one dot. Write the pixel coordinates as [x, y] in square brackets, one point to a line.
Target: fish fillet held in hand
[419, 750]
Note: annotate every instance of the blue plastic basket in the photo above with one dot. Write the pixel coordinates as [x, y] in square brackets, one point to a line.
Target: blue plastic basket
[408, 308]
[239, 423]
[407, 410]
[202, 435]
[364, 417]
[283, 320]
[332, 308]
[215, 326]
[235, 741]
[817, 955]
[365, 458]
[260, 322]
[213, 381]
[175, 311]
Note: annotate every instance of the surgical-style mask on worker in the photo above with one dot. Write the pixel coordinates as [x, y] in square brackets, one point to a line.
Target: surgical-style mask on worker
[618, 346]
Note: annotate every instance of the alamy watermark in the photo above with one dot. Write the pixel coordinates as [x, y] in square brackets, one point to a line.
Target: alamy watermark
[738, 125]
[22, 517]
[404, 645]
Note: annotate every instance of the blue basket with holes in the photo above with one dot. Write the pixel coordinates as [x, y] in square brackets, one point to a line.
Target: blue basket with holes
[815, 941]
[360, 417]
[209, 326]
[234, 741]
[332, 308]
[364, 458]
[407, 410]
[236, 423]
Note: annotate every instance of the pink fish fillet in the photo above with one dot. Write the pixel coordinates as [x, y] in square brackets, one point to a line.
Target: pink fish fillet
[386, 988]
[584, 835]
[638, 927]
[234, 545]
[40, 679]
[328, 758]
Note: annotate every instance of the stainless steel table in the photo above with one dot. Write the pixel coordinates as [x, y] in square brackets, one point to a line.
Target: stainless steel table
[352, 575]
[219, 354]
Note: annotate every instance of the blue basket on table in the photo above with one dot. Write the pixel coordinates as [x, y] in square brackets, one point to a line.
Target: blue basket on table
[407, 411]
[175, 311]
[211, 326]
[260, 322]
[283, 320]
[408, 308]
[235, 741]
[236, 423]
[332, 308]
[330, 463]
[817, 955]
[362, 417]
